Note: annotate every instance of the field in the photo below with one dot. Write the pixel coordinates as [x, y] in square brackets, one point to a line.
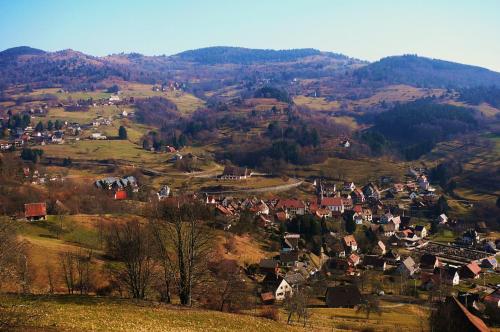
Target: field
[318, 104]
[359, 171]
[80, 313]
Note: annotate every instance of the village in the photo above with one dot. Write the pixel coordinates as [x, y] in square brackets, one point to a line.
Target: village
[355, 240]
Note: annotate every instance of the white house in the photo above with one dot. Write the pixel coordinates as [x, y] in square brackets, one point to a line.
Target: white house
[442, 219]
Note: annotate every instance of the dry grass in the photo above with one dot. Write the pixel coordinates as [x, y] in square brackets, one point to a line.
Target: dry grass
[80, 313]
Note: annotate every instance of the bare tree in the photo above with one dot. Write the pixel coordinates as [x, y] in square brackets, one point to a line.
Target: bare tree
[369, 306]
[297, 304]
[67, 262]
[132, 244]
[189, 246]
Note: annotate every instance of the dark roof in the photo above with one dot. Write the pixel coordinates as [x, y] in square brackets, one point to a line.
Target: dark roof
[295, 279]
[343, 296]
[289, 256]
[373, 261]
[35, 210]
[428, 260]
[268, 264]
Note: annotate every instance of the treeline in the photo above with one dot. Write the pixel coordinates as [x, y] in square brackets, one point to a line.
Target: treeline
[414, 128]
[425, 72]
[481, 94]
[220, 54]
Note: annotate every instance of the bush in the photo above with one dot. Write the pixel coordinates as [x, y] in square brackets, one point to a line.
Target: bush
[270, 313]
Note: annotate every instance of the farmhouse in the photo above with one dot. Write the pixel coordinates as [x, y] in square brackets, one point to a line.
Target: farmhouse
[35, 211]
[334, 204]
[235, 173]
[292, 207]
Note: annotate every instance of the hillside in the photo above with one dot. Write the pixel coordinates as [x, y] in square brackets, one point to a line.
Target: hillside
[426, 72]
[240, 55]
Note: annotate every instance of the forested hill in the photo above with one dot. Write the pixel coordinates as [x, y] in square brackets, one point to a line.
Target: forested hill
[426, 72]
[240, 55]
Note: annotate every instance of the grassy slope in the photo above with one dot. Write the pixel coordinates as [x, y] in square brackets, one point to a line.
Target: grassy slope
[74, 313]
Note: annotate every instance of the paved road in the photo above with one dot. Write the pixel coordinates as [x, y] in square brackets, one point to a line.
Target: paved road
[282, 187]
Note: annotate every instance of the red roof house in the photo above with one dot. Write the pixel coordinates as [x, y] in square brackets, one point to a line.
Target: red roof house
[35, 211]
[120, 195]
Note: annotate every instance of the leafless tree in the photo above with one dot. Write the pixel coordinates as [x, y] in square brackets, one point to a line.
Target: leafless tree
[297, 304]
[187, 247]
[67, 262]
[132, 244]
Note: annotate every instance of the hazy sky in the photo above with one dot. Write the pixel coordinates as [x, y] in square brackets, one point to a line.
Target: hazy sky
[457, 30]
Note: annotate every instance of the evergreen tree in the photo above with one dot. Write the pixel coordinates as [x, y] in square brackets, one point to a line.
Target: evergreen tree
[122, 132]
[39, 127]
[50, 125]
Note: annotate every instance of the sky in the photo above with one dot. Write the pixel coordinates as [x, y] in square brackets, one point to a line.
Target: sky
[465, 31]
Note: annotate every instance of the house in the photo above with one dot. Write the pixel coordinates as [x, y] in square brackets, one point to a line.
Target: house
[367, 214]
[407, 267]
[489, 263]
[295, 279]
[379, 248]
[371, 191]
[429, 261]
[278, 286]
[482, 227]
[349, 186]
[163, 193]
[261, 208]
[114, 98]
[344, 296]
[358, 196]
[449, 275]
[120, 194]
[388, 229]
[35, 211]
[413, 195]
[345, 144]
[493, 298]
[470, 271]
[334, 204]
[289, 257]
[397, 188]
[235, 173]
[292, 207]
[420, 231]
[350, 243]
[267, 298]
[353, 260]
[442, 219]
[423, 183]
[97, 136]
[269, 266]
[291, 241]
[392, 257]
[374, 262]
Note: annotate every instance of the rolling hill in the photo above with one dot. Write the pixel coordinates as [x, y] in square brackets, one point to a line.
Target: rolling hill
[425, 72]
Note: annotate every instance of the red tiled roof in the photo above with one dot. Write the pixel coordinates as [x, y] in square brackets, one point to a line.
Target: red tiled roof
[476, 321]
[331, 201]
[35, 210]
[474, 268]
[357, 209]
[290, 203]
[120, 194]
